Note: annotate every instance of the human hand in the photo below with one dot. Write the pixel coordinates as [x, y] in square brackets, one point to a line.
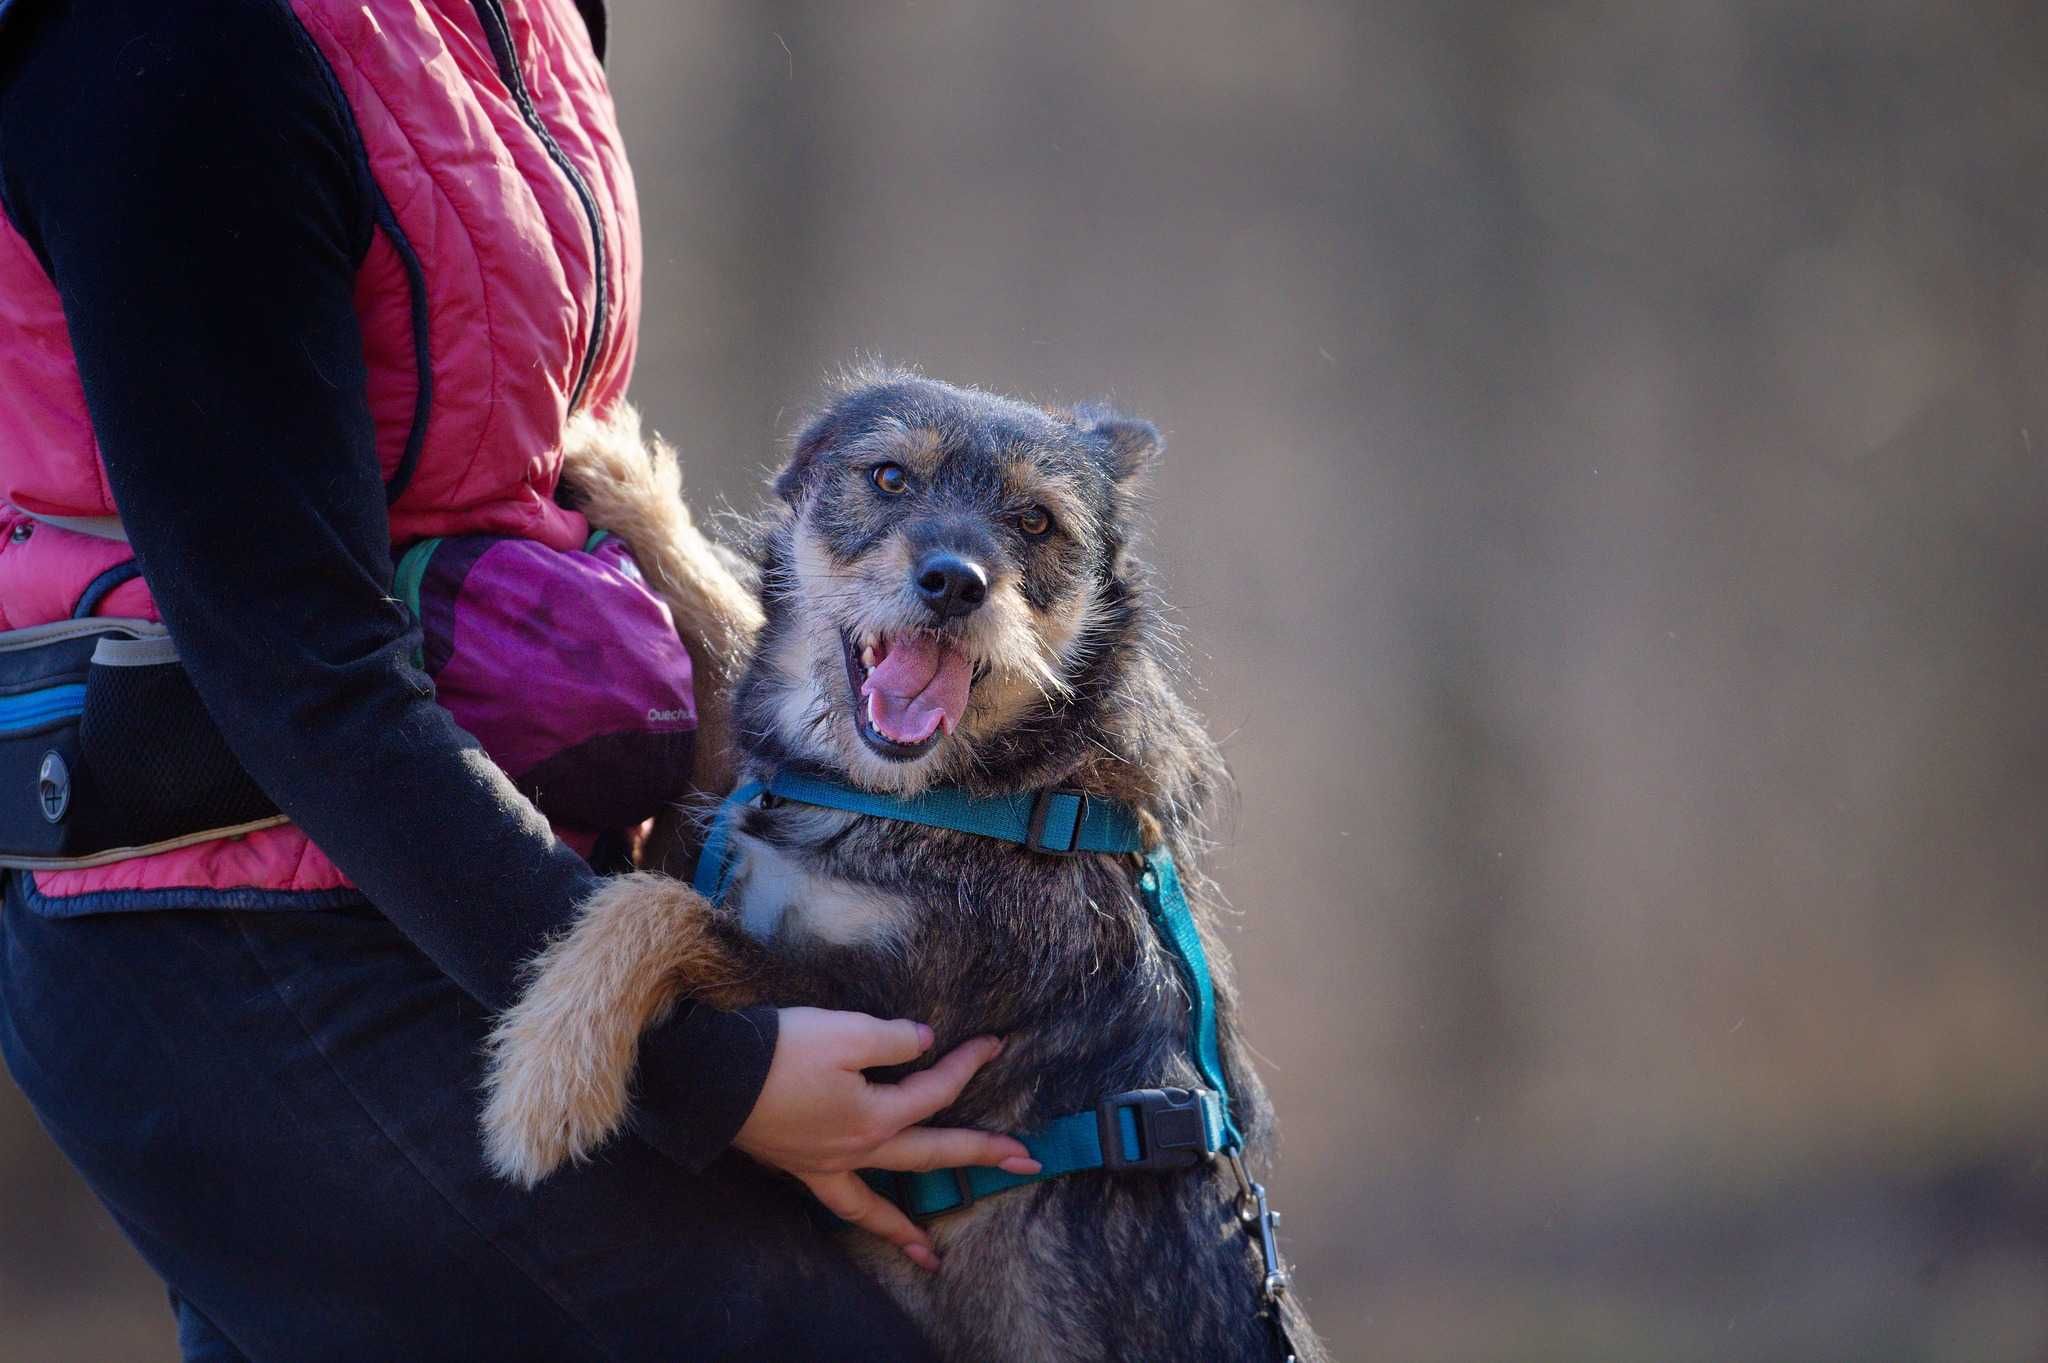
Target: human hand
[819, 1118]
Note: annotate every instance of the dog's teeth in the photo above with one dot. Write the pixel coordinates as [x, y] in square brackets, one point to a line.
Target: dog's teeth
[867, 656]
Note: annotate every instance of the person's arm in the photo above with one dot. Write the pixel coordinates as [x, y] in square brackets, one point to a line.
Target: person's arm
[188, 178]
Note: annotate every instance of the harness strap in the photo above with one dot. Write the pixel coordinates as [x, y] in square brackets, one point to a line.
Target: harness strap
[1065, 1145]
[1159, 884]
[714, 863]
[1062, 822]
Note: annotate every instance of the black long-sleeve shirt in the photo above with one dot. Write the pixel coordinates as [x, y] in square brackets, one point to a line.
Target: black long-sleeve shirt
[185, 174]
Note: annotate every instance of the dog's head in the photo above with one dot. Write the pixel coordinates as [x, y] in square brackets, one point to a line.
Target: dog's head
[950, 576]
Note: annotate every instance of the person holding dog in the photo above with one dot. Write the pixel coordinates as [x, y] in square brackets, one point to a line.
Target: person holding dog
[292, 287]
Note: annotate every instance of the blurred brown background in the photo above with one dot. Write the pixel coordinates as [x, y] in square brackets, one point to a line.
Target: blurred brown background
[1606, 504]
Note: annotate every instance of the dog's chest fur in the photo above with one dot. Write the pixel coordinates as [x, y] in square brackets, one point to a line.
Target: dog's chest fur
[786, 893]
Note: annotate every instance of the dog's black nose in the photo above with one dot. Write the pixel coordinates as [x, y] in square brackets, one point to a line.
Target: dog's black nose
[950, 585]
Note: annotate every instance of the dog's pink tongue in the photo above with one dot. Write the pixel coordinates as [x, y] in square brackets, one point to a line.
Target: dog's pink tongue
[919, 684]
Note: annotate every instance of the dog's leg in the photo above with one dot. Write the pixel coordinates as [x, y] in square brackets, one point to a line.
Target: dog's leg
[634, 488]
[561, 1059]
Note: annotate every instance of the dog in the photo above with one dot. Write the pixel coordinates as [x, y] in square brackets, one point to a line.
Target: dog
[943, 595]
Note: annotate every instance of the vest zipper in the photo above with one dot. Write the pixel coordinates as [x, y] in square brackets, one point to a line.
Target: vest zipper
[498, 31]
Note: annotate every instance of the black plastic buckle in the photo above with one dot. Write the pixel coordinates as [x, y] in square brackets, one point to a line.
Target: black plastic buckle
[1041, 807]
[1171, 1134]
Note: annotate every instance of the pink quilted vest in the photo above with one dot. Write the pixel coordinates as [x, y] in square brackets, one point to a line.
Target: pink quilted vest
[500, 293]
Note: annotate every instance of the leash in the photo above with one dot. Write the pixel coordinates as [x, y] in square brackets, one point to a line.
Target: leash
[1152, 1129]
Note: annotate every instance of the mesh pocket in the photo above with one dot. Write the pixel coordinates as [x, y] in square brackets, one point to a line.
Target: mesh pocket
[154, 765]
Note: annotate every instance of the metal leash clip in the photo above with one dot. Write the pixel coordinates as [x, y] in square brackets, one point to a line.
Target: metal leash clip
[1259, 1221]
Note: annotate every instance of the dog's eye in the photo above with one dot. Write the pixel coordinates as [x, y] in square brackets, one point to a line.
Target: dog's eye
[1035, 522]
[891, 479]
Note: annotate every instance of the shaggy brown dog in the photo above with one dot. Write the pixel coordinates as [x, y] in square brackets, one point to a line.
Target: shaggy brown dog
[945, 598]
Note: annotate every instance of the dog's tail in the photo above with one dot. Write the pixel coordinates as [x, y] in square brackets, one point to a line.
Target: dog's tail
[561, 1059]
[633, 487]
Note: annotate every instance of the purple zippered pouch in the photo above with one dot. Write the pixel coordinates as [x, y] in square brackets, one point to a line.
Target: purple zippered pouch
[565, 667]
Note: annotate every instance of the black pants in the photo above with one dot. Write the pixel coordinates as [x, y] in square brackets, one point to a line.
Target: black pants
[280, 1110]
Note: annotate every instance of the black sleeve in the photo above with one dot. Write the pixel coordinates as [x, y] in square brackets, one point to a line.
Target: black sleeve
[190, 180]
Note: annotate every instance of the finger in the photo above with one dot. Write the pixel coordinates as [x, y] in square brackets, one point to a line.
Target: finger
[882, 1041]
[923, 1147]
[852, 1201]
[919, 1095]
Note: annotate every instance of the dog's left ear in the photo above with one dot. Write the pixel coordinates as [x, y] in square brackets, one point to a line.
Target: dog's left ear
[1129, 446]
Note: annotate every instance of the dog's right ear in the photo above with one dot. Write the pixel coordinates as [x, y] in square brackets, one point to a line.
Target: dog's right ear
[821, 435]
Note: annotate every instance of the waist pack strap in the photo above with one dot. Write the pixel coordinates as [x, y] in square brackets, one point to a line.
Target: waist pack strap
[111, 855]
[99, 527]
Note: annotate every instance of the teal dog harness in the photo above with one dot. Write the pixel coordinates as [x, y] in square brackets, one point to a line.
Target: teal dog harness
[1141, 1129]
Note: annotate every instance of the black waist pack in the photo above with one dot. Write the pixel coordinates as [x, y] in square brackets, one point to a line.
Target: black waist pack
[106, 752]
